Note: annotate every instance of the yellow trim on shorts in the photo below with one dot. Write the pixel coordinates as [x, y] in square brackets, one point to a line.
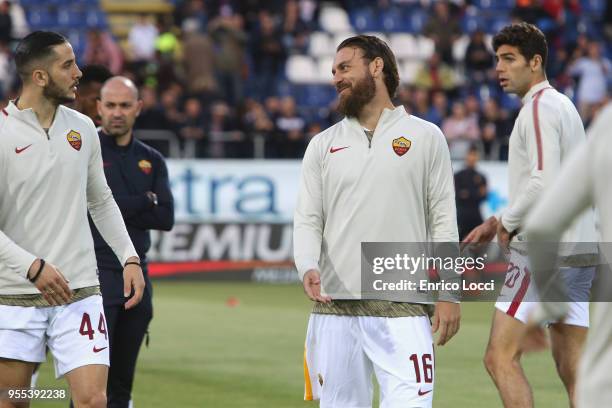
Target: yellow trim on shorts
[307, 383]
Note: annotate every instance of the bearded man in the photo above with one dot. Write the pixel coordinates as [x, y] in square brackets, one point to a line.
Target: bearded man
[379, 175]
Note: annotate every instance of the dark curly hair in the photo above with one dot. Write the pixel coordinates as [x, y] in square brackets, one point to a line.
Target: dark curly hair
[528, 38]
[374, 47]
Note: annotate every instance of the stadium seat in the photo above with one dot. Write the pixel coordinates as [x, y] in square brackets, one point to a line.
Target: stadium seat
[392, 20]
[339, 37]
[460, 47]
[409, 70]
[320, 44]
[334, 20]
[425, 47]
[324, 72]
[301, 69]
[416, 20]
[96, 18]
[378, 34]
[69, 18]
[403, 45]
[364, 19]
[41, 18]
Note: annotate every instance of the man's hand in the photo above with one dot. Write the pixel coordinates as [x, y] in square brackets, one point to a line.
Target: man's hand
[133, 278]
[447, 317]
[51, 283]
[503, 237]
[312, 287]
[482, 234]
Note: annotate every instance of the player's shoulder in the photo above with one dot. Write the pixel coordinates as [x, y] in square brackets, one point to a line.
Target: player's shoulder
[430, 130]
[148, 151]
[325, 137]
[76, 117]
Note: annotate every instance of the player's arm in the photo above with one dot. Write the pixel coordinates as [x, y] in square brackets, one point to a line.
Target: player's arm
[442, 224]
[308, 223]
[109, 222]
[542, 138]
[159, 213]
[568, 197]
[46, 277]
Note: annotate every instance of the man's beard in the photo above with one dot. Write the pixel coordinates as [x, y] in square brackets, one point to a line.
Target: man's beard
[56, 94]
[358, 96]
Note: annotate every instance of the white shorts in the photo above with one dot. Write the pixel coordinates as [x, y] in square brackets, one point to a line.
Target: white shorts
[342, 352]
[518, 296]
[75, 333]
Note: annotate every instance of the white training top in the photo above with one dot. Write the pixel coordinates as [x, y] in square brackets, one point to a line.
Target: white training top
[398, 188]
[583, 182]
[47, 184]
[548, 129]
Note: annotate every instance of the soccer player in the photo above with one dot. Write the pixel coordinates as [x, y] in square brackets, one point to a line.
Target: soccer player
[88, 93]
[546, 131]
[52, 175]
[377, 175]
[138, 178]
[586, 175]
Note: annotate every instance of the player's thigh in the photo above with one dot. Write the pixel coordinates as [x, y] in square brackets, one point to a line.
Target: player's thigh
[507, 334]
[22, 333]
[402, 353]
[336, 370]
[518, 295]
[78, 336]
[87, 382]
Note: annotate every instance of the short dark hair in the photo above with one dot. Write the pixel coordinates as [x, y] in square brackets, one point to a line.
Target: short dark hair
[34, 47]
[372, 48]
[94, 73]
[528, 38]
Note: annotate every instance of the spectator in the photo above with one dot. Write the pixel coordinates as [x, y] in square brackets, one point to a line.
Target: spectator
[152, 115]
[268, 55]
[444, 29]
[142, 38]
[593, 72]
[101, 49]
[230, 41]
[460, 130]
[478, 58]
[496, 129]
[199, 63]
[436, 75]
[6, 23]
[192, 127]
[295, 30]
[18, 19]
[290, 127]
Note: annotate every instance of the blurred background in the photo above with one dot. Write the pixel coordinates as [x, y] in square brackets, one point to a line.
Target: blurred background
[233, 91]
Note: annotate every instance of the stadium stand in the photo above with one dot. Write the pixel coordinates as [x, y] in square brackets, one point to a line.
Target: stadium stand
[228, 34]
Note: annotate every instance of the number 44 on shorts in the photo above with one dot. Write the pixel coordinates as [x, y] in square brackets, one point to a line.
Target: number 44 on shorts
[86, 328]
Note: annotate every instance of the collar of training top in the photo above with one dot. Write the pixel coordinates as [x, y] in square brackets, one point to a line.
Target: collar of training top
[535, 89]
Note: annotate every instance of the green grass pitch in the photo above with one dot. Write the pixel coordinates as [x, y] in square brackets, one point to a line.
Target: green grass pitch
[207, 352]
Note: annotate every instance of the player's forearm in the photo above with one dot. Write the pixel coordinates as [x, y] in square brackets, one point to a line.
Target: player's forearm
[14, 257]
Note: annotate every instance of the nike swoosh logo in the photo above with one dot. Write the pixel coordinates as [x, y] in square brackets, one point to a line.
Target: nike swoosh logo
[337, 149]
[18, 150]
[97, 350]
[421, 393]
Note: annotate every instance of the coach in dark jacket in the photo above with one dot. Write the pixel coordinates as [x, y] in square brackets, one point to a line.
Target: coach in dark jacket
[138, 177]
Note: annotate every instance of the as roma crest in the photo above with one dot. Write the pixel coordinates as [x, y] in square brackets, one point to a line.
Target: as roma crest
[145, 166]
[74, 138]
[401, 145]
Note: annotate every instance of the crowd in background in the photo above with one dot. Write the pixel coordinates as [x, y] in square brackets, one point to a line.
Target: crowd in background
[213, 72]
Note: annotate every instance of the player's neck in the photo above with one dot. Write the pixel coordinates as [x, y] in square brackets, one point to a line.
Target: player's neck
[42, 107]
[535, 80]
[370, 114]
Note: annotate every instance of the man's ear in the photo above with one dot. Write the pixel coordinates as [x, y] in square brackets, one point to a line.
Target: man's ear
[536, 62]
[376, 66]
[40, 77]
